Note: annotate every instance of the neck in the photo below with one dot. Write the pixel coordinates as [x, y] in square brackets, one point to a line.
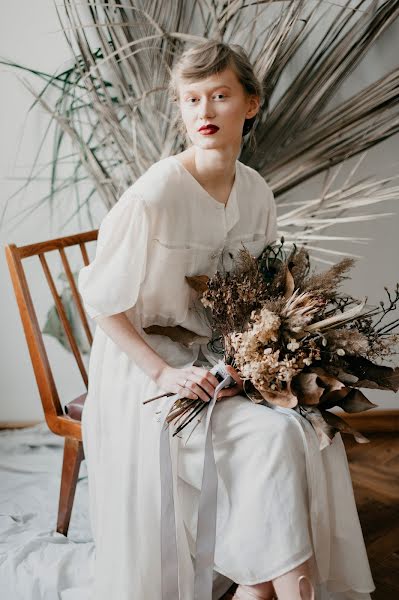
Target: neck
[214, 168]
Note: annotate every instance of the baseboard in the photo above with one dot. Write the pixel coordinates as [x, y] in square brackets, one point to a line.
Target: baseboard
[383, 420]
[18, 424]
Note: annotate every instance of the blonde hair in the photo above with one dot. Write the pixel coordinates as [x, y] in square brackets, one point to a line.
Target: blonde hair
[209, 58]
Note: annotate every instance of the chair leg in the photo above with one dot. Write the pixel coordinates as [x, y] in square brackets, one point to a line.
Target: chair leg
[73, 455]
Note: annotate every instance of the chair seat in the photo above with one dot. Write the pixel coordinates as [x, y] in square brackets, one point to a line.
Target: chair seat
[74, 408]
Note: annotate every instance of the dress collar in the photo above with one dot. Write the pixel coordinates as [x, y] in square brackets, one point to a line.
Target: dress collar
[230, 209]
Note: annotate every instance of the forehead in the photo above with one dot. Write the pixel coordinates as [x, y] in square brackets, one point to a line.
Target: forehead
[224, 78]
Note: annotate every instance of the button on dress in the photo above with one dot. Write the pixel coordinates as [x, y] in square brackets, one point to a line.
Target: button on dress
[280, 500]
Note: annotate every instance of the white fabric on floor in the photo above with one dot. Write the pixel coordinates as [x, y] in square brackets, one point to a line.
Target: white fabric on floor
[36, 562]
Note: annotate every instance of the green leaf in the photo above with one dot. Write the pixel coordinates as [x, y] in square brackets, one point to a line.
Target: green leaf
[54, 327]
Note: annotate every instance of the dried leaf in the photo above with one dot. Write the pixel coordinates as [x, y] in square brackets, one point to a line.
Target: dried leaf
[251, 392]
[323, 389]
[336, 421]
[306, 388]
[289, 284]
[371, 375]
[355, 401]
[347, 315]
[285, 398]
[329, 382]
[199, 283]
[177, 334]
[325, 432]
[346, 378]
[334, 398]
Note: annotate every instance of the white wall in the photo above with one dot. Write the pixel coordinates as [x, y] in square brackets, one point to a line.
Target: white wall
[33, 38]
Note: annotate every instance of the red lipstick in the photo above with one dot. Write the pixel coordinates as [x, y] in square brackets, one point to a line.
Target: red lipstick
[208, 129]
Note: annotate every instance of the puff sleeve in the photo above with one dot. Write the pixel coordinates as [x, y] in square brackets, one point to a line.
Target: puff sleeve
[110, 284]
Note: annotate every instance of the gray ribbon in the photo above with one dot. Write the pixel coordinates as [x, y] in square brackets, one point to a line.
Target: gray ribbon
[207, 509]
[169, 562]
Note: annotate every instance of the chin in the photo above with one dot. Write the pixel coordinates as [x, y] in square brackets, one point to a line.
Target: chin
[215, 141]
[209, 142]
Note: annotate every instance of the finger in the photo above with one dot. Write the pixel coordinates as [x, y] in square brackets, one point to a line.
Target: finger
[234, 374]
[192, 387]
[201, 393]
[205, 383]
[186, 392]
[226, 393]
[220, 396]
[207, 374]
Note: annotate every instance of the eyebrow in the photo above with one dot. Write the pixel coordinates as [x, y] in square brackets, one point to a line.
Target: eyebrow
[212, 89]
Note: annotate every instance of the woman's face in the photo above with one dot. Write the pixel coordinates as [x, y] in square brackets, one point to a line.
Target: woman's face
[217, 100]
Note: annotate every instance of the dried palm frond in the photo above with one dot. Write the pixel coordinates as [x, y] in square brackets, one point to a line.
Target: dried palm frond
[112, 101]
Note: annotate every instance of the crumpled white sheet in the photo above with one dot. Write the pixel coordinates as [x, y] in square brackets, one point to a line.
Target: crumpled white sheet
[36, 562]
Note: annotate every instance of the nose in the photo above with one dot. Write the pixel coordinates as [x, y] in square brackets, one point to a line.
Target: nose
[205, 109]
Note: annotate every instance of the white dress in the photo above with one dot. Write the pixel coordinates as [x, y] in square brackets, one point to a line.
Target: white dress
[279, 499]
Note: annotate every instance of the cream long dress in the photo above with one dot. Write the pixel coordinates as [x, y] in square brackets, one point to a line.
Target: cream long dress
[279, 499]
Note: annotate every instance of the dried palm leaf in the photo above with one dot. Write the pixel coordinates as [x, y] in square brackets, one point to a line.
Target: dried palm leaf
[112, 102]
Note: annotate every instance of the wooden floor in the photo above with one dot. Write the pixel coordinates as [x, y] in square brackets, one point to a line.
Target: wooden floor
[375, 475]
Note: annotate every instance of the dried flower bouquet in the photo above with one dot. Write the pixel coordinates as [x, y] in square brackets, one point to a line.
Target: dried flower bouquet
[295, 339]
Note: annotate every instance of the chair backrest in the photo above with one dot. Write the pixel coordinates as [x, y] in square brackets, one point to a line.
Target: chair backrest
[15, 255]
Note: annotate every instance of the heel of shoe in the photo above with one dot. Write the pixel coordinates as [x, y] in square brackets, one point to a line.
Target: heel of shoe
[306, 589]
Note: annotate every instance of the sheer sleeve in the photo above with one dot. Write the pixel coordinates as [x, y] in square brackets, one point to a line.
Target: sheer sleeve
[110, 284]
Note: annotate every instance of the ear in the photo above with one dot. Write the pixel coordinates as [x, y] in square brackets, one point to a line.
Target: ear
[253, 106]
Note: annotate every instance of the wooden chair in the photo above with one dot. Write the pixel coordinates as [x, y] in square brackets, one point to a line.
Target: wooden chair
[66, 424]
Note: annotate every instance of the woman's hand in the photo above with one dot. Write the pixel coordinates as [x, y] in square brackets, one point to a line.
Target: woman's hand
[235, 389]
[189, 382]
[197, 382]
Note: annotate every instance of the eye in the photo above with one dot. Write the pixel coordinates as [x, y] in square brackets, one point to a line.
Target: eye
[223, 96]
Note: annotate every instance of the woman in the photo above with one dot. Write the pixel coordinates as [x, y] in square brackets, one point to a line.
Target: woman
[285, 520]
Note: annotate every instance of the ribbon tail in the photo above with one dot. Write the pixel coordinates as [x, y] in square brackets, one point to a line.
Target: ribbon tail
[207, 510]
[169, 557]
